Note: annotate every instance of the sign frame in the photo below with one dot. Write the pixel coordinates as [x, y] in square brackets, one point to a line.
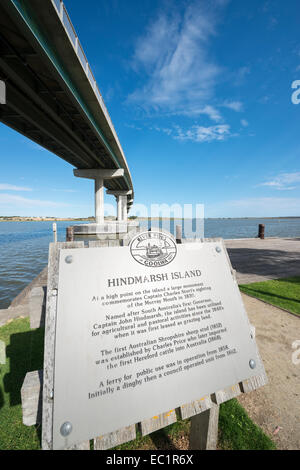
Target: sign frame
[149, 425]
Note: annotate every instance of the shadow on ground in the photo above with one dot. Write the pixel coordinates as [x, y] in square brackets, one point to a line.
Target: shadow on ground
[265, 262]
[25, 354]
[257, 292]
[1, 397]
[162, 441]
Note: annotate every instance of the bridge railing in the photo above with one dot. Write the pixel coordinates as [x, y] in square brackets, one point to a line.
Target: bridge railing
[71, 32]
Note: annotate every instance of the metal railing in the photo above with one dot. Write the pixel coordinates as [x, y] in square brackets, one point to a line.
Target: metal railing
[68, 24]
[57, 4]
[70, 30]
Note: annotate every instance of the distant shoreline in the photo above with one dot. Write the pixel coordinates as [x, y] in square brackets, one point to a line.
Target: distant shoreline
[92, 219]
[220, 218]
[43, 219]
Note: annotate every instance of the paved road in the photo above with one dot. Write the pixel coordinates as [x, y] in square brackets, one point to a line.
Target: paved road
[258, 260]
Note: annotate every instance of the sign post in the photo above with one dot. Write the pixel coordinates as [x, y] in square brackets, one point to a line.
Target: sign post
[135, 332]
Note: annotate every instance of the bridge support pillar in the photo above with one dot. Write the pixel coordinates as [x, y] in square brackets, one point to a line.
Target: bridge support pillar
[122, 208]
[122, 201]
[99, 176]
[106, 228]
[99, 200]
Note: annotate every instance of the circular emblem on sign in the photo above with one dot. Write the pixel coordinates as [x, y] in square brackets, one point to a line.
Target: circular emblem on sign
[153, 249]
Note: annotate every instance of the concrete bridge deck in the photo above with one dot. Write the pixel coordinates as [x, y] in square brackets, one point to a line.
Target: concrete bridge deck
[51, 93]
[258, 260]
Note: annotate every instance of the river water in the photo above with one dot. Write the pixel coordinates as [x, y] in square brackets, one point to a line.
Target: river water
[24, 245]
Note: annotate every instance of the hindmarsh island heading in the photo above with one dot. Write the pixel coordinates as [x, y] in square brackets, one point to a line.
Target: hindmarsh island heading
[126, 281]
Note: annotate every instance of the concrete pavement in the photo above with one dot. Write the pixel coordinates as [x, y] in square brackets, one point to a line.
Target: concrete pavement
[258, 260]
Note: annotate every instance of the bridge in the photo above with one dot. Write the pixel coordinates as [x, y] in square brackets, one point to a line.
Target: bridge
[53, 99]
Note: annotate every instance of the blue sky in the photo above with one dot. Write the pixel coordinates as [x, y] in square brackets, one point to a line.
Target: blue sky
[200, 95]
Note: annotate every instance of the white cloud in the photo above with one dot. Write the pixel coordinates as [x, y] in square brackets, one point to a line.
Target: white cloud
[65, 190]
[197, 133]
[241, 74]
[174, 55]
[211, 111]
[244, 123]
[203, 134]
[11, 187]
[18, 201]
[234, 105]
[283, 181]
[165, 130]
[179, 73]
[133, 126]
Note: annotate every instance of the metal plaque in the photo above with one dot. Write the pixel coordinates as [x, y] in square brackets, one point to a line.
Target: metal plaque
[142, 330]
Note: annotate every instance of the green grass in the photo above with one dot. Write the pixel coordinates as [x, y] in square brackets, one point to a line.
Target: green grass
[283, 293]
[24, 351]
[238, 432]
